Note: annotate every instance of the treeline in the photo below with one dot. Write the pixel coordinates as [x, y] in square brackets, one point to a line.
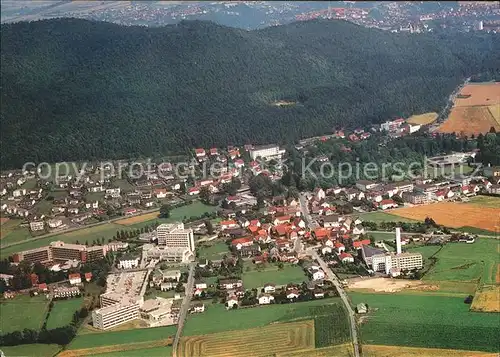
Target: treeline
[74, 89]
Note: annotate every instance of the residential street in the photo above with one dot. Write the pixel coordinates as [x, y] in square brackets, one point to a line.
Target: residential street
[329, 273]
[352, 321]
[184, 307]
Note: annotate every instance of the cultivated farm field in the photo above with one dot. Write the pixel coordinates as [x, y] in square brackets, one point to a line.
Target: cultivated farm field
[31, 350]
[477, 262]
[165, 351]
[485, 201]
[138, 219]
[446, 213]
[94, 340]
[268, 340]
[426, 321]
[400, 351]
[487, 93]
[22, 312]
[469, 121]
[217, 319]
[487, 299]
[423, 119]
[475, 110]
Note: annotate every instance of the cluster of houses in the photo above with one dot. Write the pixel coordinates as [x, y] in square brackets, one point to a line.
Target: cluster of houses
[18, 201]
[390, 195]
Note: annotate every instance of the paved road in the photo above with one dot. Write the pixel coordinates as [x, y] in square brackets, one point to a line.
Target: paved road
[329, 273]
[184, 307]
[80, 227]
[312, 224]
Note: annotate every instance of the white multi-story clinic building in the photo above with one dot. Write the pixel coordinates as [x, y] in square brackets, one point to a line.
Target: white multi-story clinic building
[121, 301]
[390, 263]
[175, 236]
[267, 152]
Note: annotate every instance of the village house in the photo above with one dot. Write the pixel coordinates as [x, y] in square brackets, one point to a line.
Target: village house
[230, 283]
[387, 204]
[269, 288]
[265, 299]
[239, 243]
[292, 294]
[198, 307]
[228, 224]
[231, 302]
[346, 258]
[75, 279]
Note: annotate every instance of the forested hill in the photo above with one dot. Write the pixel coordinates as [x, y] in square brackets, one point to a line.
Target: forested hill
[74, 89]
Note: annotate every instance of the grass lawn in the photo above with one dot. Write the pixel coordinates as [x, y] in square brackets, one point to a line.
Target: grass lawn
[95, 196]
[256, 278]
[30, 184]
[62, 312]
[485, 201]
[467, 262]
[124, 185]
[119, 337]
[22, 312]
[448, 171]
[217, 319]
[474, 230]
[107, 231]
[32, 350]
[149, 352]
[426, 321]
[214, 251]
[379, 217]
[17, 234]
[44, 207]
[153, 293]
[177, 214]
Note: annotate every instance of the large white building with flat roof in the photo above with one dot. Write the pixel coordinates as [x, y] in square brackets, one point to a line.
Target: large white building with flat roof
[122, 299]
[174, 235]
[267, 152]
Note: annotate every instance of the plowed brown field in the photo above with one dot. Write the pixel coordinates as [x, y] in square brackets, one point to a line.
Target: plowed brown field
[480, 94]
[138, 219]
[477, 112]
[454, 215]
[469, 120]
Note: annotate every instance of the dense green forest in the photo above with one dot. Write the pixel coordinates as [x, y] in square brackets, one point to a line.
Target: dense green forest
[74, 89]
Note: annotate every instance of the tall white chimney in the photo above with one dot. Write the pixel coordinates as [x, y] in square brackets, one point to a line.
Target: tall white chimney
[398, 240]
